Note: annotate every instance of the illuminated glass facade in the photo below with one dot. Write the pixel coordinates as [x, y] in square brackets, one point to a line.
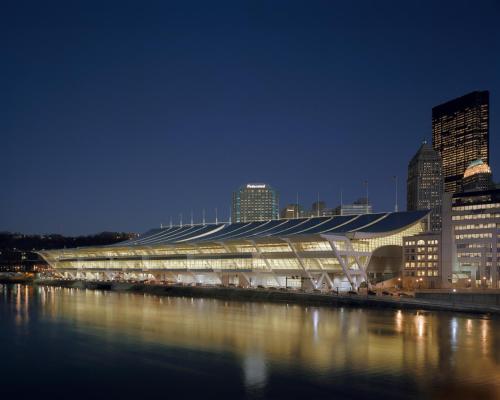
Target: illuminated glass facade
[255, 202]
[319, 253]
[425, 184]
[460, 134]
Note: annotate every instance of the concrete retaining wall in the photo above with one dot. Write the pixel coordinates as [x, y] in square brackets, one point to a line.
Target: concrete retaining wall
[477, 297]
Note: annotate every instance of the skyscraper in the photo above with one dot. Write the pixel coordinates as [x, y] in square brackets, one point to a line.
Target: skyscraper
[255, 202]
[460, 133]
[425, 184]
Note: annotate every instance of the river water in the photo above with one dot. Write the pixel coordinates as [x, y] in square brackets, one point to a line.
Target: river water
[71, 343]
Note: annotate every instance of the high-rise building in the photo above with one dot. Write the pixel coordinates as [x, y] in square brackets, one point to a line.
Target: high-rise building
[477, 177]
[360, 206]
[475, 217]
[425, 184]
[460, 134]
[255, 202]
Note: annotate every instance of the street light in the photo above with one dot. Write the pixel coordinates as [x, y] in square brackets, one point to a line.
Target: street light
[420, 282]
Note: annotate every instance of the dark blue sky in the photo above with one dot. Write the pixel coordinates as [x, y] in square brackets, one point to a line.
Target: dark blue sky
[116, 116]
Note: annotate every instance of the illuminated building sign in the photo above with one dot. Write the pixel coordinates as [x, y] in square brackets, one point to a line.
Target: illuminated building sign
[256, 186]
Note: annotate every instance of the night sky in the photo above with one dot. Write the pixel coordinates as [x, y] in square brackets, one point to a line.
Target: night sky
[118, 115]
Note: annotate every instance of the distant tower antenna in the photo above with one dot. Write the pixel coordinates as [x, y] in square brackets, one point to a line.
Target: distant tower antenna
[171, 222]
[341, 201]
[297, 206]
[180, 219]
[367, 201]
[317, 206]
[192, 218]
[203, 212]
[216, 217]
[278, 208]
[396, 194]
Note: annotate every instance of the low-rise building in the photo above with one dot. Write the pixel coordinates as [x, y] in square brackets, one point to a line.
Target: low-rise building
[359, 207]
[422, 261]
[293, 211]
[322, 253]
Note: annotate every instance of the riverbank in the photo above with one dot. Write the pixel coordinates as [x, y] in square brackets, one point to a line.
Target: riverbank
[16, 277]
[278, 296]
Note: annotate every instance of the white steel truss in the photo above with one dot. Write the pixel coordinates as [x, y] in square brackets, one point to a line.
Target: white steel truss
[322, 259]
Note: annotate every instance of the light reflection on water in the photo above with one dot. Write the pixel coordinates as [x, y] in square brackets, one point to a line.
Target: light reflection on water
[209, 347]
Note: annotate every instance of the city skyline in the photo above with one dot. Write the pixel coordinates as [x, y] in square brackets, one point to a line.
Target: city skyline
[250, 200]
[125, 137]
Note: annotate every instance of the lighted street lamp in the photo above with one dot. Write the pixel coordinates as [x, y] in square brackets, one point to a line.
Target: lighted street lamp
[420, 282]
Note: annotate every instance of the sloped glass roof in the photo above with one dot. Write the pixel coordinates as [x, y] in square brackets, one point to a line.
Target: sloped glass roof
[367, 223]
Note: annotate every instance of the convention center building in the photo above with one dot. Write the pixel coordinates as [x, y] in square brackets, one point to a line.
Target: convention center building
[325, 253]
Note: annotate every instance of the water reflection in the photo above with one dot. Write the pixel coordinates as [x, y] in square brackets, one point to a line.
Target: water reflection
[255, 371]
[404, 353]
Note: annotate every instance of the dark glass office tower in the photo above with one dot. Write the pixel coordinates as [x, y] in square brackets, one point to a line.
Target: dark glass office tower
[425, 184]
[460, 133]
